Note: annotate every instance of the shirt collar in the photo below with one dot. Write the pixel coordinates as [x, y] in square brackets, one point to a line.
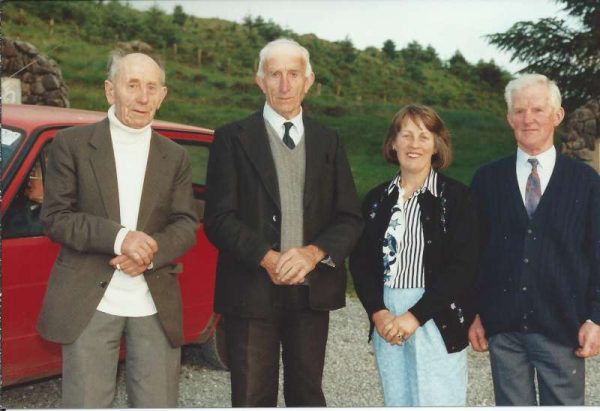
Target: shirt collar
[276, 120]
[429, 184]
[546, 160]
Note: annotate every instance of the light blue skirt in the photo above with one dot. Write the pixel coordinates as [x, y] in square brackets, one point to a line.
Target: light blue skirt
[419, 372]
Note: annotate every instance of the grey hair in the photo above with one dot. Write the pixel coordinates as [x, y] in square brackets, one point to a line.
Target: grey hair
[114, 63]
[528, 80]
[265, 53]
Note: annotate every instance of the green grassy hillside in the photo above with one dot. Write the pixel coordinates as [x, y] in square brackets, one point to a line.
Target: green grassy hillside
[210, 65]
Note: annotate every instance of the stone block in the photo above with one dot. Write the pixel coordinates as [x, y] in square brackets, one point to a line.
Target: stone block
[8, 49]
[585, 154]
[50, 82]
[38, 86]
[576, 144]
[590, 127]
[26, 47]
[27, 77]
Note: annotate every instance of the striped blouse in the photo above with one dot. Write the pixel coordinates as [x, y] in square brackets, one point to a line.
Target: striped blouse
[403, 239]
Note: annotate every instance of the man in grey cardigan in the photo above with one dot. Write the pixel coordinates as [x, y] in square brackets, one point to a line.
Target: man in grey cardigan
[283, 211]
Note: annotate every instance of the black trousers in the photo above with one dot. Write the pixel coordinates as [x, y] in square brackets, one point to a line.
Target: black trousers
[253, 347]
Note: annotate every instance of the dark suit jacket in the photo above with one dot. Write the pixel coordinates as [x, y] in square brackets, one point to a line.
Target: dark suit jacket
[243, 218]
[81, 212]
[450, 231]
[540, 274]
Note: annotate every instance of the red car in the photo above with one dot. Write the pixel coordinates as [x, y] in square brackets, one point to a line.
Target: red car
[28, 255]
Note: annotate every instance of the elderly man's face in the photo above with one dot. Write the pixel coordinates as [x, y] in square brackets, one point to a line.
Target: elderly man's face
[533, 119]
[136, 91]
[285, 83]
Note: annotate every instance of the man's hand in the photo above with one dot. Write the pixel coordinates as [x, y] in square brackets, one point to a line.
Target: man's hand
[127, 265]
[477, 335]
[269, 263]
[589, 340]
[139, 247]
[296, 263]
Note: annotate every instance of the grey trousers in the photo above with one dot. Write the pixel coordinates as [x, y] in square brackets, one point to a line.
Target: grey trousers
[90, 364]
[516, 357]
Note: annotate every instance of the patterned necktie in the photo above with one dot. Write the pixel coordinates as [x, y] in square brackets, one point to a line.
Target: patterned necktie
[533, 189]
[287, 140]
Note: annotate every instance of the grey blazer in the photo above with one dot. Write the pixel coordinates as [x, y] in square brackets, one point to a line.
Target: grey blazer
[81, 212]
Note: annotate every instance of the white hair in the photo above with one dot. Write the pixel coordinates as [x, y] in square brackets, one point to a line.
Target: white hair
[266, 51]
[114, 64]
[527, 80]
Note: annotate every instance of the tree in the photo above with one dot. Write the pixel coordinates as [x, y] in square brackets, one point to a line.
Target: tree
[179, 16]
[347, 51]
[389, 49]
[568, 54]
[460, 67]
[491, 74]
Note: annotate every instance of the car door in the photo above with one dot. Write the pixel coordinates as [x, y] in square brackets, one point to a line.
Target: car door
[27, 258]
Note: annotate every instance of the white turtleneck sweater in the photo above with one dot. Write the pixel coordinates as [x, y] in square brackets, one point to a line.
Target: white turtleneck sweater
[128, 296]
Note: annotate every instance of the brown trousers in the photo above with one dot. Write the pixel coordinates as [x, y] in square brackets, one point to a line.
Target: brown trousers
[253, 347]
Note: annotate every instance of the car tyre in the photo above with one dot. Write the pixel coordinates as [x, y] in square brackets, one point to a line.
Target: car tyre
[214, 350]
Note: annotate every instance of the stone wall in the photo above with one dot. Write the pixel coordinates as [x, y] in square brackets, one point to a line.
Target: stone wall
[581, 138]
[41, 79]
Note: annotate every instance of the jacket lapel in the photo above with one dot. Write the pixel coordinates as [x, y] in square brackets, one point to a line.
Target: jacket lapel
[314, 150]
[154, 180]
[255, 142]
[105, 169]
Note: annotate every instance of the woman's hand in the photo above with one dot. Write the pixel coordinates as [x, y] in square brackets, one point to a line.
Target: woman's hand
[383, 320]
[395, 329]
[403, 326]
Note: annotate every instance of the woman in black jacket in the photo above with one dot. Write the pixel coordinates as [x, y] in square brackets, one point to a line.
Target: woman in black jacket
[415, 264]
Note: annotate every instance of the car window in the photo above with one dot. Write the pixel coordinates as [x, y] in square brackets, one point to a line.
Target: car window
[198, 154]
[22, 219]
[10, 141]
[199, 158]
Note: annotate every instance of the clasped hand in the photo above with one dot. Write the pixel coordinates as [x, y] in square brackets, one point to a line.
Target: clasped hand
[395, 329]
[292, 266]
[138, 251]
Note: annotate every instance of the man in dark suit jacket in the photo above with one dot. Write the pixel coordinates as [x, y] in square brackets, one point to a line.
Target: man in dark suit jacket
[539, 281]
[119, 200]
[283, 211]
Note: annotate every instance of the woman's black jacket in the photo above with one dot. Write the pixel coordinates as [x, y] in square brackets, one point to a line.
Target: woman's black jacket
[450, 233]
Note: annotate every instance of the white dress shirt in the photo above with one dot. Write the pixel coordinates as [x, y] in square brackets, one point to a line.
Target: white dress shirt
[546, 161]
[276, 121]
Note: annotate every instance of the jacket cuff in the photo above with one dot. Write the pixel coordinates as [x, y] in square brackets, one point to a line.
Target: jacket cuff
[257, 256]
[373, 308]
[420, 312]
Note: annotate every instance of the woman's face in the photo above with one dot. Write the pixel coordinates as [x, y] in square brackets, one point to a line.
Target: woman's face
[414, 145]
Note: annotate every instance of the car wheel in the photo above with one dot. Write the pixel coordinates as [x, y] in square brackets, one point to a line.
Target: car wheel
[214, 350]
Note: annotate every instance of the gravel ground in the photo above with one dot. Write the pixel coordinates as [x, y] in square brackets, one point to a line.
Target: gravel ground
[350, 378]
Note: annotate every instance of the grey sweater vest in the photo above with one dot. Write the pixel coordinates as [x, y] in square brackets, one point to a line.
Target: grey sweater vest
[290, 166]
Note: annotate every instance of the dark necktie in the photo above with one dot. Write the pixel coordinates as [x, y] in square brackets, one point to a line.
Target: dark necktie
[287, 140]
[533, 189]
